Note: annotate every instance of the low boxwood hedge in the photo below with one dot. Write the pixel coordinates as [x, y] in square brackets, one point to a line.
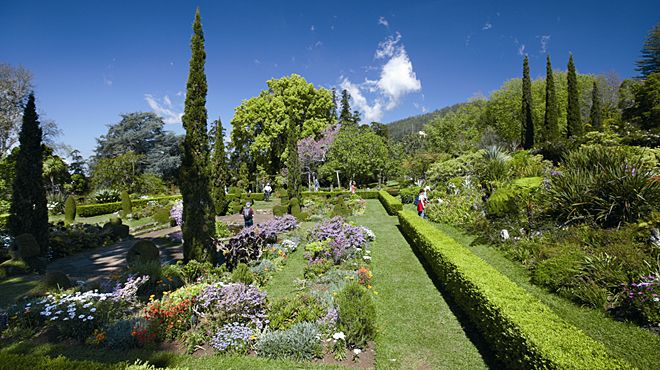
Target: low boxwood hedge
[522, 332]
[391, 204]
[31, 362]
[90, 210]
[364, 194]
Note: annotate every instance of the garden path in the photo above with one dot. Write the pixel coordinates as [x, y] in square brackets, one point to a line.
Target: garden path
[418, 329]
[97, 264]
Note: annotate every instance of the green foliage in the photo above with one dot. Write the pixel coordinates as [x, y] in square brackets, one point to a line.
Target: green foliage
[143, 251]
[28, 205]
[148, 184]
[649, 62]
[391, 204]
[645, 109]
[456, 206]
[126, 206]
[551, 119]
[69, 210]
[528, 118]
[31, 362]
[293, 162]
[119, 335]
[596, 114]
[242, 274]
[357, 315]
[513, 197]
[219, 170]
[118, 172]
[440, 172]
[279, 210]
[408, 195]
[90, 210]
[221, 230]
[300, 342]
[4, 220]
[162, 215]
[457, 131]
[340, 208]
[107, 196]
[27, 245]
[317, 268]
[288, 311]
[573, 116]
[522, 331]
[558, 271]
[607, 185]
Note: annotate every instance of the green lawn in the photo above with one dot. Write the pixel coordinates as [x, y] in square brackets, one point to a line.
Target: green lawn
[12, 288]
[638, 346]
[417, 329]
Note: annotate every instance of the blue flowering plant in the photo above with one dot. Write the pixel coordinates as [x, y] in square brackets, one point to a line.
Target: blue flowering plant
[643, 299]
[221, 304]
[344, 241]
[233, 337]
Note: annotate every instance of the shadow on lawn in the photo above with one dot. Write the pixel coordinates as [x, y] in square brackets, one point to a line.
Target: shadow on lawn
[471, 331]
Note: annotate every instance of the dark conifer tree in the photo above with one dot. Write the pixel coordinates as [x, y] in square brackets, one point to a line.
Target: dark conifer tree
[551, 119]
[333, 110]
[528, 118]
[345, 116]
[573, 118]
[650, 60]
[596, 115]
[293, 162]
[198, 210]
[219, 170]
[28, 210]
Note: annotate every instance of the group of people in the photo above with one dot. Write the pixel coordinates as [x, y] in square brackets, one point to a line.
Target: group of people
[421, 201]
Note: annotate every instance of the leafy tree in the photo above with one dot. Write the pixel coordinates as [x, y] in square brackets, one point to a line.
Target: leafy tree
[380, 129]
[55, 171]
[219, 170]
[198, 210]
[528, 118]
[596, 115]
[650, 60]
[119, 173]
[29, 213]
[454, 132]
[77, 165]
[573, 116]
[15, 86]
[345, 116]
[260, 124]
[333, 110]
[142, 133]
[644, 111]
[293, 163]
[551, 118]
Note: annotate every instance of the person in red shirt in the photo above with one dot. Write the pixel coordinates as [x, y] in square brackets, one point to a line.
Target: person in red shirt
[420, 202]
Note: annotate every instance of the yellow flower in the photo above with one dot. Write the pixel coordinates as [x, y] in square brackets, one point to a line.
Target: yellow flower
[166, 293]
[151, 297]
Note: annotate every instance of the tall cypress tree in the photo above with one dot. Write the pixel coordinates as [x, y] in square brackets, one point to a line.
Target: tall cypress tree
[596, 115]
[551, 119]
[28, 210]
[198, 211]
[293, 162]
[333, 110]
[528, 118]
[219, 170]
[345, 115]
[573, 119]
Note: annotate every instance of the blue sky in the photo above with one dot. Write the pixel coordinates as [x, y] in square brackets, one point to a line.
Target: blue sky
[93, 60]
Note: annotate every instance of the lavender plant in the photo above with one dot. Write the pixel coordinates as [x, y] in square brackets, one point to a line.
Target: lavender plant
[234, 303]
[233, 337]
[176, 213]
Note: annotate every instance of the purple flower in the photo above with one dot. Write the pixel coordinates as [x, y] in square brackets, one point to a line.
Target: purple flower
[235, 303]
[233, 336]
[176, 212]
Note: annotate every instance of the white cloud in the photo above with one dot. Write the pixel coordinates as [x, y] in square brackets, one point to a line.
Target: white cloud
[312, 28]
[256, 61]
[384, 22]
[521, 49]
[545, 40]
[487, 26]
[164, 110]
[388, 47]
[397, 78]
[107, 81]
[467, 40]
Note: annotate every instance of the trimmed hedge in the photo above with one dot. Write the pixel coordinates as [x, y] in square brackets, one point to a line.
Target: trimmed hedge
[4, 218]
[364, 194]
[31, 362]
[391, 204]
[521, 331]
[244, 196]
[90, 210]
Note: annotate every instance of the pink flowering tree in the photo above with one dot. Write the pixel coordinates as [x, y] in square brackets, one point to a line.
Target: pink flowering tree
[313, 152]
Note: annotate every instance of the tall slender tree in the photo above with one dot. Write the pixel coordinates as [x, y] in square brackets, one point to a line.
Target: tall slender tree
[650, 59]
[573, 118]
[333, 109]
[596, 114]
[293, 161]
[345, 116]
[28, 211]
[551, 119]
[219, 170]
[198, 210]
[528, 119]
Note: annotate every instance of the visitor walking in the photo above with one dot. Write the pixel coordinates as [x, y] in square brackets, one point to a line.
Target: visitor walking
[267, 191]
[353, 187]
[316, 185]
[420, 202]
[248, 214]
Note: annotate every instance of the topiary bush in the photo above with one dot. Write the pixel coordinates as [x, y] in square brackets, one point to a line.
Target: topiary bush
[301, 342]
[70, 210]
[162, 215]
[143, 251]
[357, 315]
[341, 209]
[242, 274]
[116, 230]
[126, 205]
[279, 210]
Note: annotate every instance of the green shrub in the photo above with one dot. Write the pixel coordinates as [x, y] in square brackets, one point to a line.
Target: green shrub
[116, 230]
[558, 272]
[608, 185]
[126, 205]
[162, 215]
[32, 362]
[151, 268]
[391, 204]
[464, 165]
[357, 314]
[294, 207]
[341, 209]
[221, 230]
[409, 195]
[107, 196]
[288, 311]
[279, 210]
[242, 274]
[69, 210]
[301, 342]
[523, 332]
[234, 207]
[513, 198]
[55, 280]
[90, 210]
[119, 335]
[143, 251]
[14, 267]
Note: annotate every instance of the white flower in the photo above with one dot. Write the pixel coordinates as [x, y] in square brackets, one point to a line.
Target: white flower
[86, 305]
[367, 251]
[358, 249]
[656, 299]
[366, 258]
[357, 351]
[81, 316]
[90, 317]
[93, 309]
[65, 319]
[54, 318]
[338, 336]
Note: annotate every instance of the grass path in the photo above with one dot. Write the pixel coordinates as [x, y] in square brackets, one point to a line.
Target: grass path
[418, 330]
[638, 346]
